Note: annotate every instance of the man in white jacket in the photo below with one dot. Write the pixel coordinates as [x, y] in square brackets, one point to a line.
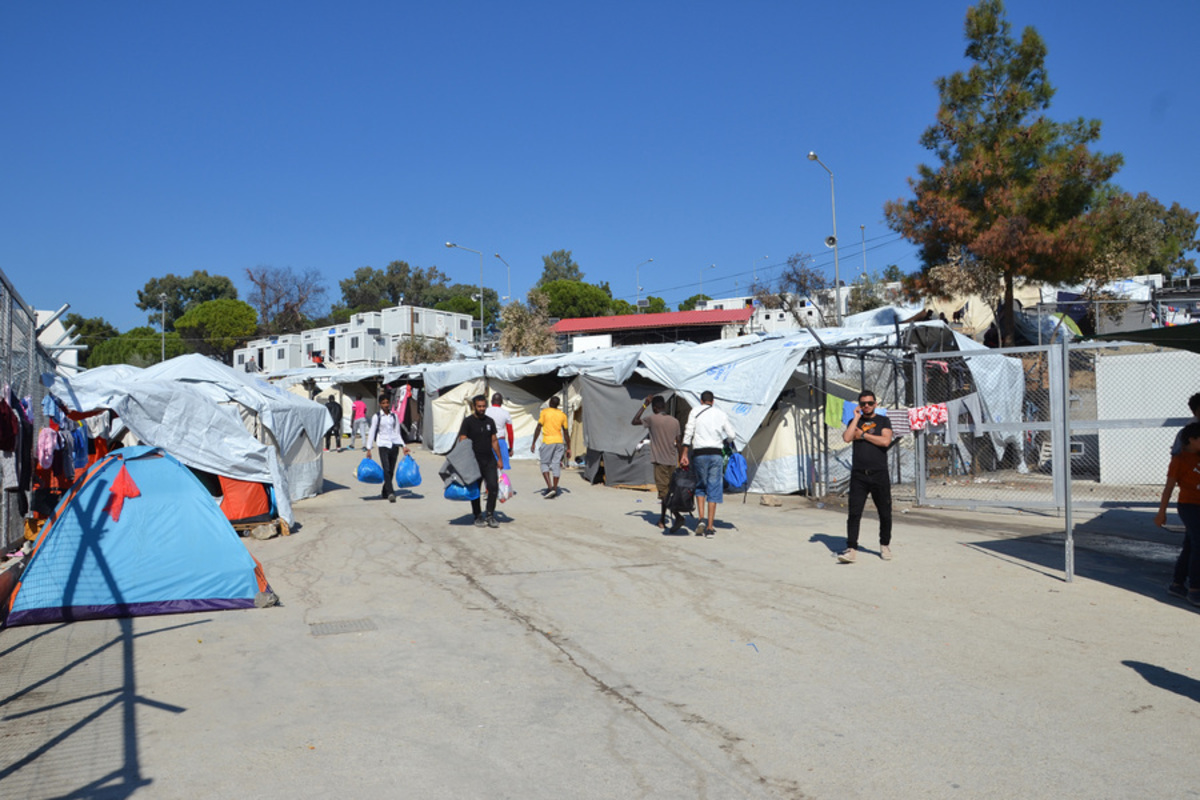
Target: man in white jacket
[703, 447]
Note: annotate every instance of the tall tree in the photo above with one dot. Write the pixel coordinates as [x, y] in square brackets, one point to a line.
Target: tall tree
[573, 299]
[373, 289]
[217, 327]
[1012, 193]
[285, 300]
[181, 293]
[90, 331]
[559, 266]
[526, 327]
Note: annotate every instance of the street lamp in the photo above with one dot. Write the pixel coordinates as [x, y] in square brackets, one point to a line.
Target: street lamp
[754, 268]
[637, 271]
[832, 242]
[710, 266]
[162, 299]
[476, 252]
[507, 267]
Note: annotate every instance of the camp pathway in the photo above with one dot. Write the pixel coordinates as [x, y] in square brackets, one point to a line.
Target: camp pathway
[578, 652]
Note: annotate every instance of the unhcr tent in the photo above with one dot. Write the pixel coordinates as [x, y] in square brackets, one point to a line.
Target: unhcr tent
[138, 535]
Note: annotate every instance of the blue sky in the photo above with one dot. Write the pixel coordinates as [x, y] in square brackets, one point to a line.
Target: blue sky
[142, 138]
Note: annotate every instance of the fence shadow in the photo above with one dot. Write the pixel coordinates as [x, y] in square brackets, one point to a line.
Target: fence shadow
[67, 735]
[1135, 565]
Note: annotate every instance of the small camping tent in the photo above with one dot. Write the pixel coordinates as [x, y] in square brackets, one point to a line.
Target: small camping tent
[138, 535]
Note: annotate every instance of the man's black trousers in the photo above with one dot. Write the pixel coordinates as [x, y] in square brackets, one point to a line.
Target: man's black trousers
[876, 484]
[491, 480]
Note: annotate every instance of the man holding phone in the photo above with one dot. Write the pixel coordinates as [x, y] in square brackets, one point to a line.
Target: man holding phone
[870, 435]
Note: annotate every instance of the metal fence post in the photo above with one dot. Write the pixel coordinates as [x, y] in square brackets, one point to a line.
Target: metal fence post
[1069, 546]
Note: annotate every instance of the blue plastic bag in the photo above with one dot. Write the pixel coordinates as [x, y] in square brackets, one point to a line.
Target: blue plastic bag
[408, 474]
[458, 491]
[369, 471]
[736, 474]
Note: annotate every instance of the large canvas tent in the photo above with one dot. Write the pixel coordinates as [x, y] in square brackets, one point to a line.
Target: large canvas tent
[139, 535]
[213, 418]
[774, 387]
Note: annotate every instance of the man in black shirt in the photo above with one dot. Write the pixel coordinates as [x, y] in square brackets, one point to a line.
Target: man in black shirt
[870, 435]
[481, 430]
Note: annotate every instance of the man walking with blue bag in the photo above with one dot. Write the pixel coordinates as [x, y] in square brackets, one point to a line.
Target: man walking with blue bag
[386, 432]
[704, 438]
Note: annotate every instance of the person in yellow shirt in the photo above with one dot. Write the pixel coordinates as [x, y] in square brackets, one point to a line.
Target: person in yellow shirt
[552, 425]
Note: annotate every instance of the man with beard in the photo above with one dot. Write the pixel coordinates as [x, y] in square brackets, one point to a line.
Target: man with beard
[481, 430]
[870, 436]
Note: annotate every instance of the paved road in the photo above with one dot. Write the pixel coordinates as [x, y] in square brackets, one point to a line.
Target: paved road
[577, 652]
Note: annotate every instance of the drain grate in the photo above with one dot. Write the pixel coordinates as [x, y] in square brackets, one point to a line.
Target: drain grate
[342, 626]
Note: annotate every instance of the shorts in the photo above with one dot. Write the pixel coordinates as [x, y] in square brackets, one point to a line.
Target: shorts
[710, 480]
[552, 456]
[662, 478]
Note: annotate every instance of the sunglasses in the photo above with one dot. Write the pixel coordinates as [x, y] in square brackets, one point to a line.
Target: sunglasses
[867, 403]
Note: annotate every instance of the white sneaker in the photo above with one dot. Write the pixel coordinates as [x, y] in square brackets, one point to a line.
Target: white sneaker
[847, 556]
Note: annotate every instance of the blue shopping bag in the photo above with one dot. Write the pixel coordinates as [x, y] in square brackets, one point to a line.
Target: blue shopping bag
[736, 474]
[408, 474]
[458, 491]
[504, 453]
[369, 472]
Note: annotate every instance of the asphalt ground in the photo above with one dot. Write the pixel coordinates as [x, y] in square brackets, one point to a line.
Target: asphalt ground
[577, 652]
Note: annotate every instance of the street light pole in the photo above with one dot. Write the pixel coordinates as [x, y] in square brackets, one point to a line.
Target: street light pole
[507, 267]
[478, 253]
[162, 299]
[754, 268]
[637, 271]
[837, 277]
[710, 266]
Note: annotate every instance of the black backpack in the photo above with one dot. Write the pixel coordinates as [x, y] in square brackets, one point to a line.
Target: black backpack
[681, 494]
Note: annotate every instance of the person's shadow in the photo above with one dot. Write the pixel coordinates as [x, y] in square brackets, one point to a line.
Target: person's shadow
[1166, 679]
[836, 544]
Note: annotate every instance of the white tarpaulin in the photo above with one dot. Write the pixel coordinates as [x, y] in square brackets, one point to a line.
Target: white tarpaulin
[192, 407]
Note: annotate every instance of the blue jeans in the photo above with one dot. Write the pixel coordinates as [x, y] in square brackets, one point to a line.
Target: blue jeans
[1187, 566]
[709, 478]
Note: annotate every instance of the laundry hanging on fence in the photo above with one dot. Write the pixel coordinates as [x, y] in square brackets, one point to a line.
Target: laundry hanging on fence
[932, 415]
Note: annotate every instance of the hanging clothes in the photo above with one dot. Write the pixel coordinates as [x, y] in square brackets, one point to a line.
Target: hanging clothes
[833, 411]
[47, 443]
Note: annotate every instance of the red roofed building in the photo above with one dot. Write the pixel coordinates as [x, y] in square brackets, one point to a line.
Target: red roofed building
[670, 326]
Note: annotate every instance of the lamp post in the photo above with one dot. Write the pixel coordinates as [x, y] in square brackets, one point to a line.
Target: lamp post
[162, 299]
[710, 266]
[754, 268]
[478, 253]
[637, 271]
[837, 277]
[509, 269]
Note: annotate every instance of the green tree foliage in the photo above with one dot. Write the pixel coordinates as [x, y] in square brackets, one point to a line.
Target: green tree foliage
[286, 301]
[892, 274]
[182, 294]
[90, 331]
[693, 301]
[526, 327]
[217, 327]
[621, 308]
[1011, 194]
[463, 298]
[559, 266]
[140, 347]
[572, 299]
[1144, 237]
[423, 350]
[657, 305]
[399, 283]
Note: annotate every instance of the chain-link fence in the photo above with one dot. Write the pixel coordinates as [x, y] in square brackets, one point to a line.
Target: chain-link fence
[1017, 417]
[21, 364]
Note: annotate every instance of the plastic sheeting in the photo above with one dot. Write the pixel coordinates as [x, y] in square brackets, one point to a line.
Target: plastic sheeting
[193, 407]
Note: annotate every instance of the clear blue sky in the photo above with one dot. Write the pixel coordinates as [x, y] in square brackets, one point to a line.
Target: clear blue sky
[142, 138]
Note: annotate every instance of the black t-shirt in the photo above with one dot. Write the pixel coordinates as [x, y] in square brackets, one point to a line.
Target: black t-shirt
[868, 455]
[480, 431]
